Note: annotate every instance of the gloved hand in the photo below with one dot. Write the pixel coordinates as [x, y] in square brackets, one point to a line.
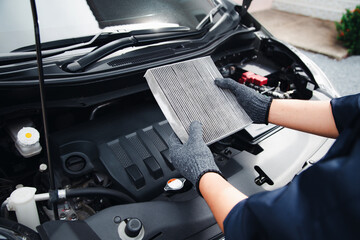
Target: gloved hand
[192, 159]
[255, 104]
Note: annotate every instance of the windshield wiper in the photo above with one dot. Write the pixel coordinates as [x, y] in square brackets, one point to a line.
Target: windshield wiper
[209, 19]
[228, 20]
[21, 56]
[101, 52]
[134, 40]
[15, 57]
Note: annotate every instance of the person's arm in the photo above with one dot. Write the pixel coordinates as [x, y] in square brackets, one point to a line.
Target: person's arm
[308, 116]
[220, 195]
[195, 162]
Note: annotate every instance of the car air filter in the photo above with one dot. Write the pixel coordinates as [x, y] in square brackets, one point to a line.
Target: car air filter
[186, 92]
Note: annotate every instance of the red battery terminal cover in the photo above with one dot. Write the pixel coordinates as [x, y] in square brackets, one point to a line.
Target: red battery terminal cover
[250, 77]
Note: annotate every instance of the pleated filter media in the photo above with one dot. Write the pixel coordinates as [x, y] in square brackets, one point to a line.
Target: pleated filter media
[186, 92]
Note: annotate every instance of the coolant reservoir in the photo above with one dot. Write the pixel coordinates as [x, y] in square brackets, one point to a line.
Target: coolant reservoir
[27, 142]
[22, 201]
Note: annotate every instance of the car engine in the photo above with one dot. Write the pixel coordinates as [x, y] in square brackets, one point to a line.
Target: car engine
[109, 150]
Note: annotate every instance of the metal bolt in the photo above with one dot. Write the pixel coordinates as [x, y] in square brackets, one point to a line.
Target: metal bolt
[42, 167]
[117, 219]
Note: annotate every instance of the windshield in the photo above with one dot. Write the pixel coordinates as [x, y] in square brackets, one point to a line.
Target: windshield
[68, 19]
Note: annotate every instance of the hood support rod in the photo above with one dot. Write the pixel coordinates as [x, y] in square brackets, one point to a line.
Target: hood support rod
[245, 7]
[42, 96]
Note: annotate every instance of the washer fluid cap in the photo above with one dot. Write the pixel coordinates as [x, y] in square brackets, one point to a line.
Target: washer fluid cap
[28, 136]
[22, 195]
[22, 201]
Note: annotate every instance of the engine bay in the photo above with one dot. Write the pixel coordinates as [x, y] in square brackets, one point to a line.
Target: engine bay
[120, 146]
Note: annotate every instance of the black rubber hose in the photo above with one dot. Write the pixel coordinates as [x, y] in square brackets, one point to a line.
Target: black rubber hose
[7, 235]
[97, 191]
[3, 210]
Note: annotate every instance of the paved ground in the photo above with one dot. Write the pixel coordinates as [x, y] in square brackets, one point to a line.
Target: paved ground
[312, 34]
[344, 74]
[317, 39]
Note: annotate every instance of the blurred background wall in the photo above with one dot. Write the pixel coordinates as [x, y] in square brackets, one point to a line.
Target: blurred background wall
[323, 9]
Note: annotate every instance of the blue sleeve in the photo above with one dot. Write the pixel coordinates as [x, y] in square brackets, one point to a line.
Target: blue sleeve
[344, 110]
[320, 203]
[233, 222]
[265, 215]
[241, 224]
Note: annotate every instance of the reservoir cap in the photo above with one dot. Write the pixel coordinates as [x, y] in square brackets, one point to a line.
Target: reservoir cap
[28, 136]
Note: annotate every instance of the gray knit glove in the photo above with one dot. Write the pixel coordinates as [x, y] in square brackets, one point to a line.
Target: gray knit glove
[255, 104]
[192, 159]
